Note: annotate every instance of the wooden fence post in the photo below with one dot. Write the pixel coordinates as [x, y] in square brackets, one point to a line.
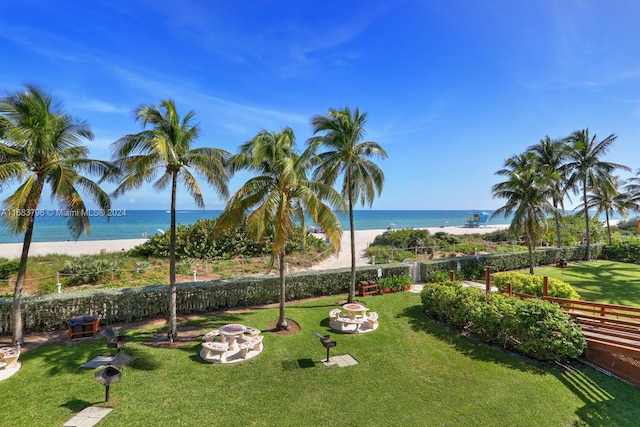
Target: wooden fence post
[545, 286]
[487, 279]
[509, 292]
[452, 275]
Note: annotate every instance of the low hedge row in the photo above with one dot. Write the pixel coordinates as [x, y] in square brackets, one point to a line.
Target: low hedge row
[52, 312]
[506, 261]
[533, 327]
[532, 285]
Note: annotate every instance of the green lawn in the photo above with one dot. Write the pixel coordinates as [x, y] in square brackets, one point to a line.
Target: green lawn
[600, 281]
[411, 372]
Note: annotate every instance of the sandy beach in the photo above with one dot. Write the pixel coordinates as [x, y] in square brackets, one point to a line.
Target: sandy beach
[363, 238]
[85, 247]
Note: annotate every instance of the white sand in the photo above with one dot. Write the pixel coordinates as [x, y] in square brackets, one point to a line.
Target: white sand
[85, 247]
[363, 238]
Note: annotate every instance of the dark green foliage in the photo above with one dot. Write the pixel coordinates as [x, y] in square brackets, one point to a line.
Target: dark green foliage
[395, 283]
[7, 268]
[199, 241]
[384, 254]
[572, 231]
[505, 261]
[88, 269]
[533, 327]
[408, 239]
[627, 250]
[500, 236]
[52, 312]
[630, 224]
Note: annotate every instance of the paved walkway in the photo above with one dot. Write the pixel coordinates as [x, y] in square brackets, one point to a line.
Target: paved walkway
[88, 417]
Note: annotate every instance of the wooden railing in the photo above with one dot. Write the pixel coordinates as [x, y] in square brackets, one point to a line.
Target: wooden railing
[610, 327]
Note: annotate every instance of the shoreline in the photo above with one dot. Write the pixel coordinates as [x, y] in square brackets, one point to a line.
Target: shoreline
[363, 238]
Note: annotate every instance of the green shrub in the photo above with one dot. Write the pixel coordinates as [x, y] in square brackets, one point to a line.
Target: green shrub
[543, 331]
[395, 283]
[533, 327]
[7, 268]
[532, 285]
[627, 250]
[89, 270]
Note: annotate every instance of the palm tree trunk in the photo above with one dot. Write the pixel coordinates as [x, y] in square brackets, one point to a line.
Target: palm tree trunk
[18, 328]
[352, 233]
[606, 213]
[173, 322]
[587, 255]
[557, 219]
[530, 245]
[282, 319]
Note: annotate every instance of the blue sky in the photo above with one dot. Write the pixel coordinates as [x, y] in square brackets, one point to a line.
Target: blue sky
[451, 87]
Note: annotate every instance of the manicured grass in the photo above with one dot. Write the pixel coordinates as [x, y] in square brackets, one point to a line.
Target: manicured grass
[600, 281]
[411, 372]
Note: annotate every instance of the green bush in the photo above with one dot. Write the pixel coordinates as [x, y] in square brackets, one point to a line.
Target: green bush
[533, 327]
[627, 250]
[200, 241]
[395, 283]
[89, 270]
[7, 268]
[532, 285]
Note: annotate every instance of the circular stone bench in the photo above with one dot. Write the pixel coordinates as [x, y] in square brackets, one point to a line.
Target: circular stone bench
[252, 343]
[215, 347]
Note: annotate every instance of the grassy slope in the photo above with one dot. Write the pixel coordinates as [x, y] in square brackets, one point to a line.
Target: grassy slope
[411, 372]
[600, 281]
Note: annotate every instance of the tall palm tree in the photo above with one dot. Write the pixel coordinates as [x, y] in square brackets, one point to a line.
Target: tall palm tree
[608, 199]
[165, 152]
[528, 189]
[279, 196]
[588, 171]
[342, 134]
[40, 144]
[551, 155]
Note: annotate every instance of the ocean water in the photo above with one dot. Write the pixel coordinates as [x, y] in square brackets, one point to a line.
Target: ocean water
[50, 225]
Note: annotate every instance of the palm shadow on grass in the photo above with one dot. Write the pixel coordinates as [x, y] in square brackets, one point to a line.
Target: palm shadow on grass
[608, 400]
[468, 345]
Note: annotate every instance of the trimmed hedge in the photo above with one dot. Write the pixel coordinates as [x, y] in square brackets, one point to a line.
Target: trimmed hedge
[533, 327]
[532, 285]
[506, 261]
[52, 312]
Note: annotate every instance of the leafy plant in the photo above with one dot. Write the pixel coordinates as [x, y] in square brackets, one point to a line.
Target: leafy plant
[395, 283]
[534, 327]
[89, 270]
[532, 285]
[7, 268]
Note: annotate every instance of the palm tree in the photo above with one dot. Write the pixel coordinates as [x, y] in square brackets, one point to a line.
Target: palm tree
[40, 144]
[279, 196]
[343, 131]
[165, 152]
[527, 191]
[551, 155]
[608, 199]
[587, 171]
